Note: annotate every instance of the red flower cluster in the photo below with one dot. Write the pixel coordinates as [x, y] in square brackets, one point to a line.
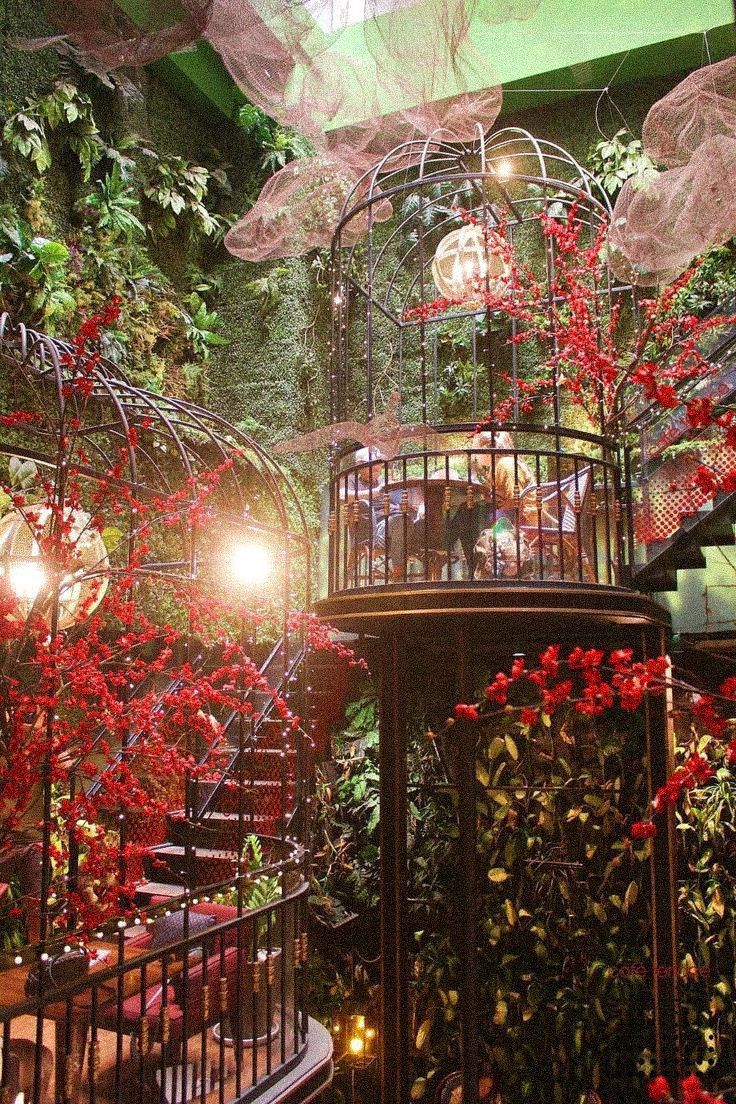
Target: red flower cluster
[658, 1090]
[693, 1093]
[591, 683]
[466, 712]
[82, 704]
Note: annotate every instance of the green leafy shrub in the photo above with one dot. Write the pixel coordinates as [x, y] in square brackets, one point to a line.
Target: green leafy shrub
[65, 109]
[176, 191]
[202, 327]
[278, 145]
[34, 273]
[713, 284]
[115, 204]
[455, 391]
[615, 160]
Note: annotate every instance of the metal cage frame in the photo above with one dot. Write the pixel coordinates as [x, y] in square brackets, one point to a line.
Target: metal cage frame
[150, 447]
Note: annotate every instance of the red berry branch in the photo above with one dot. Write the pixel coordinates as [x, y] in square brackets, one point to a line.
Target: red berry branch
[79, 701]
[590, 683]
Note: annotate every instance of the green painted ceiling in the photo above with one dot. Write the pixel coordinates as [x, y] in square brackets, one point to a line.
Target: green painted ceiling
[565, 47]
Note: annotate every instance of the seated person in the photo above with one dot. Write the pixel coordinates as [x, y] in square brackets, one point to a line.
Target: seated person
[495, 475]
[386, 534]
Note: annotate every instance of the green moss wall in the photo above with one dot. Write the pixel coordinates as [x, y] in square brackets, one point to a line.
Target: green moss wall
[577, 124]
[268, 379]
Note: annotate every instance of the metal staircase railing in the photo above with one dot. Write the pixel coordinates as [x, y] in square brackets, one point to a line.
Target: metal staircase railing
[669, 523]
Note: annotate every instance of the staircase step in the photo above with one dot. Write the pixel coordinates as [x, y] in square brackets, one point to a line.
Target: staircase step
[262, 797]
[145, 891]
[689, 557]
[661, 582]
[262, 758]
[718, 532]
[209, 866]
[683, 549]
[221, 830]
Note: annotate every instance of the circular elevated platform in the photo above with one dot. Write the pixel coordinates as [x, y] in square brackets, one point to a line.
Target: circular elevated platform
[546, 609]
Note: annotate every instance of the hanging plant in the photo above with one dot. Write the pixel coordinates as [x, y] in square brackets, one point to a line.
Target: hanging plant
[64, 109]
[614, 160]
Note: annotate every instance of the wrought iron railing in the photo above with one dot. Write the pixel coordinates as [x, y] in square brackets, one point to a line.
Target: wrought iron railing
[203, 999]
[546, 510]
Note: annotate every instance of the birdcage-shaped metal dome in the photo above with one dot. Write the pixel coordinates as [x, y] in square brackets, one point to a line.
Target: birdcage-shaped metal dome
[422, 329]
[248, 540]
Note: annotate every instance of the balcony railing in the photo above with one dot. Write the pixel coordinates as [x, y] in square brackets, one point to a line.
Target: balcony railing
[548, 509]
[198, 999]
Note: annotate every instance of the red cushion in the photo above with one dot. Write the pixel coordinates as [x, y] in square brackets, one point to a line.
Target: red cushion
[107, 1016]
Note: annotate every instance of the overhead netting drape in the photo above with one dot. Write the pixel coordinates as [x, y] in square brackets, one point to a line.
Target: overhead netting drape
[319, 65]
[665, 218]
[102, 28]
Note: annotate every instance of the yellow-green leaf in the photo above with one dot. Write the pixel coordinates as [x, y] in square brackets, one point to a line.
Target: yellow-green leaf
[423, 1033]
[632, 893]
[511, 747]
[497, 874]
[482, 774]
[718, 903]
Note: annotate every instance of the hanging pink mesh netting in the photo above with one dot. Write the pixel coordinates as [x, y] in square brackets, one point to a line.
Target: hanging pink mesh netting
[319, 65]
[458, 117]
[296, 211]
[662, 220]
[697, 109]
[102, 29]
[299, 207]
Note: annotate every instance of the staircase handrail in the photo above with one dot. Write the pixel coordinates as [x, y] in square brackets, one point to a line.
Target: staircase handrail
[263, 716]
[174, 684]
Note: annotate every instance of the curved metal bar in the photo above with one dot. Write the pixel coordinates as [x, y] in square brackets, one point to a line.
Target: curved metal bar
[40, 357]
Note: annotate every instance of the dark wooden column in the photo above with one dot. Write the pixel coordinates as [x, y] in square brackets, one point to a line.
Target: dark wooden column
[394, 981]
[467, 928]
[663, 870]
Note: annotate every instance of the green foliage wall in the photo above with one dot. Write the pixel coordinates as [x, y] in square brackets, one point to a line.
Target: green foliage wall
[577, 124]
[564, 953]
[196, 321]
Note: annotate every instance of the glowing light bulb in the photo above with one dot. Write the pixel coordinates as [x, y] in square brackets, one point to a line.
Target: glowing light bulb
[356, 1045]
[370, 1033]
[27, 578]
[249, 563]
[504, 169]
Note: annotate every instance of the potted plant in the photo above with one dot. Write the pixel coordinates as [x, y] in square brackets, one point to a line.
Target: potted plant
[262, 972]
